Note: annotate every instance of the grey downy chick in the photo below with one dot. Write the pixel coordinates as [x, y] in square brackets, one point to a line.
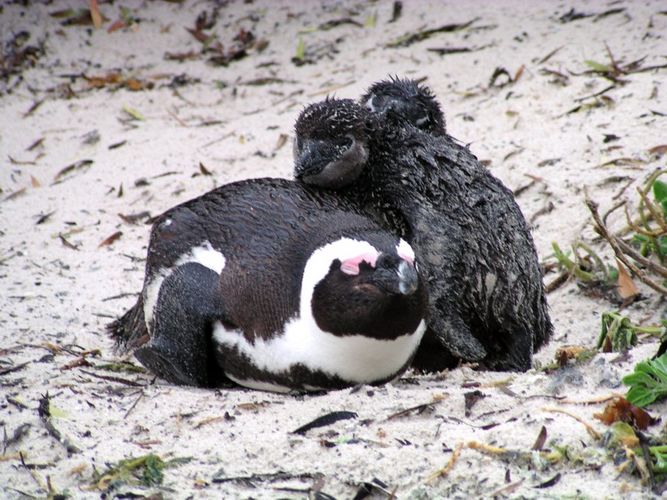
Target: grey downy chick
[486, 297]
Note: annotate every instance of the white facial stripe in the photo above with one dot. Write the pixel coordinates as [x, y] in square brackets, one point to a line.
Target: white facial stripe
[354, 358]
[203, 254]
[405, 251]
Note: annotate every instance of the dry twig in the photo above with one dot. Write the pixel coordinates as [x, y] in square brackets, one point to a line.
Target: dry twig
[622, 256]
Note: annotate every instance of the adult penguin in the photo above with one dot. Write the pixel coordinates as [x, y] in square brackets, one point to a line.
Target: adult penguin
[276, 286]
[391, 156]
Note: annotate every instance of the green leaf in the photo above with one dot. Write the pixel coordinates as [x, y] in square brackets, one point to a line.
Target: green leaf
[596, 66]
[612, 272]
[620, 331]
[300, 50]
[56, 412]
[121, 367]
[134, 114]
[570, 265]
[153, 467]
[648, 383]
[662, 245]
[660, 454]
[660, 191]
[146, 470]
[620, 434]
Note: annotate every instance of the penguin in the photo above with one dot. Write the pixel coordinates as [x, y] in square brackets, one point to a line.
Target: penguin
[276, 286]
[413, 103]
[487, 303]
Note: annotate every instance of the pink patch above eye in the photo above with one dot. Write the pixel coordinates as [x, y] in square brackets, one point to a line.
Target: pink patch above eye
[351, 266]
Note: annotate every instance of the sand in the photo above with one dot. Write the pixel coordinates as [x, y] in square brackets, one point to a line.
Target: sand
[108, 150]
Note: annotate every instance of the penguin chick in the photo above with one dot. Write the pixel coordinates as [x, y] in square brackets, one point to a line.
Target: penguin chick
[486, 297]
[406, 101]
[275, 286]
[331, 144]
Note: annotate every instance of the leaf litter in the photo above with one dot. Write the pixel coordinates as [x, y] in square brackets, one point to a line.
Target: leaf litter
[145, 470]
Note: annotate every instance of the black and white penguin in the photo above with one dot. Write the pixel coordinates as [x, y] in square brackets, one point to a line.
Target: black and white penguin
[276, 286]
[486, 297]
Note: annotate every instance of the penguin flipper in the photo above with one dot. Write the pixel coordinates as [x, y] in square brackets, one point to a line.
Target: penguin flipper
[457, 336]
[514, 349]
[180, 349]
[447, 341]
[432, 355]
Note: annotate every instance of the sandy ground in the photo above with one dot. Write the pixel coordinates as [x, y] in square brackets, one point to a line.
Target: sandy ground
[108, 150]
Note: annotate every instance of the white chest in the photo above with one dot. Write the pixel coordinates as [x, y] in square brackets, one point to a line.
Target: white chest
[356, 359]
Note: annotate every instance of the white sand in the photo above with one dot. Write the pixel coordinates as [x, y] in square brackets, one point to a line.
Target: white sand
[53, 295]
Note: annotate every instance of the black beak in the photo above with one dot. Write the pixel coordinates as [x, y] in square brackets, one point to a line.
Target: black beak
[310, 159]
[401, 281]
[329, 165]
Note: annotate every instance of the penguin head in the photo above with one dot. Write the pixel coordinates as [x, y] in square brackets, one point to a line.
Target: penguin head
[405, 101]
[330, 149]
[354, 288]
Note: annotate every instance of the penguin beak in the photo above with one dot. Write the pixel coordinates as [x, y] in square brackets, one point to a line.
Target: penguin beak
[401, 281]
[408, 280]
[309, 159]
[329, 165]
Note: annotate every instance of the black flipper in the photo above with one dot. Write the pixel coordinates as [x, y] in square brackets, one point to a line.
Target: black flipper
[512, 350]
[181, 348]
[445, 343]
[457, 336]
[432, 355]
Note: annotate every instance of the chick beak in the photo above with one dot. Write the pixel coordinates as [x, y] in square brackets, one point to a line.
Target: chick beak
[311, 160]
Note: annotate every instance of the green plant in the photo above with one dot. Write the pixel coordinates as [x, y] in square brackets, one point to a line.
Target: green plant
[651, 228]
[618, 333]
[646, 458]
[648, 383]
[584, 264]
[146, 470]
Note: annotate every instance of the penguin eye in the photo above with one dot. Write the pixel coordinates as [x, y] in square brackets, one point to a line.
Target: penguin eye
[422, 120]
[341, 144]
[377, 102]
[365, 266]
